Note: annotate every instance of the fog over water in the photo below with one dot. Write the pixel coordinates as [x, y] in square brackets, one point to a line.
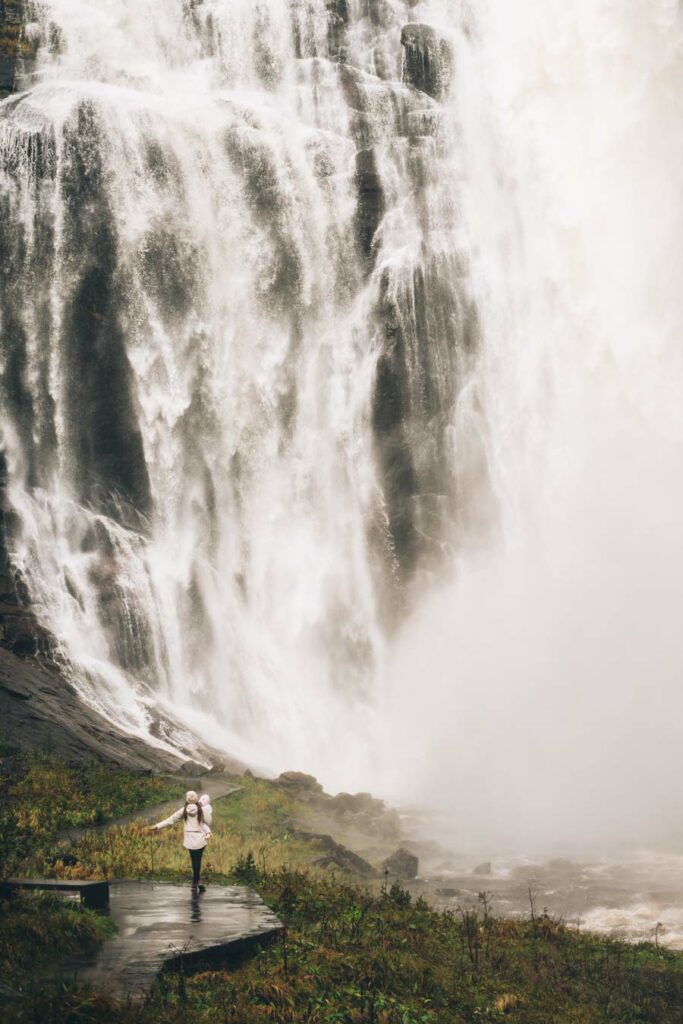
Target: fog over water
[343, 395]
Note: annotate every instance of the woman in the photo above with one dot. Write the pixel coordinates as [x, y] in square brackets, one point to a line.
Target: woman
[196, 832]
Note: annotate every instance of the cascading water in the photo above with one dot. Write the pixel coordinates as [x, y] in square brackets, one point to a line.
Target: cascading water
[235, 321]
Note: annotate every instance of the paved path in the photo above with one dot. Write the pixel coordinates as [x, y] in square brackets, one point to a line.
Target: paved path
[217, 789]
[161, 925]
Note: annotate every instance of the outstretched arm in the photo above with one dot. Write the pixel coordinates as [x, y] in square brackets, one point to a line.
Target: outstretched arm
[167, 822]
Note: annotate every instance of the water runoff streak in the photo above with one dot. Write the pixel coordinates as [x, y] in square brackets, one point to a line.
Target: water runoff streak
[238, 413]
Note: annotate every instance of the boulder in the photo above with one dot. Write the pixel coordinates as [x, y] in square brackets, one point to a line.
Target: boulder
[193, 768]
[356, 803]
[427, 60]
[483, 868]
[299, 782]
[402, 864]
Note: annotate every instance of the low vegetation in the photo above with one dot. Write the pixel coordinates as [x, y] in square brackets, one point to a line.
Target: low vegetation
[350, 954]
[42, 797]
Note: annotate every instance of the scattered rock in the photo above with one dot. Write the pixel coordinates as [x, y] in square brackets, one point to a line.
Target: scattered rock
[448, 892]
[427, 61]
[483, 869]
[217, 768]
[299, 783]
[336, 855]
[403, 864]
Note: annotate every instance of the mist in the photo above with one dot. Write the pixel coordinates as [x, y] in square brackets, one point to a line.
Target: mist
[537, 699]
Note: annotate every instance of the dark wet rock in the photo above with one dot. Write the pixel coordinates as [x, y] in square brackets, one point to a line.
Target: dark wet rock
[299, 783]
[402, 864]
[447, 892]
[41, 712]
[192, 768]
[336, 855]
[7, 74]
[101, 424]
[370, 209]
[11, 42]
[268, 190]
[20, 630]
[429, 332]
[427, 61]
[391, 408]
[337, 21]
[356, 803]
[484, 868]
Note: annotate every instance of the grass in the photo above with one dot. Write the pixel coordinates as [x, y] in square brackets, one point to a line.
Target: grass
[350, 954]
[255, 819]
[45, 796]
[33, 926]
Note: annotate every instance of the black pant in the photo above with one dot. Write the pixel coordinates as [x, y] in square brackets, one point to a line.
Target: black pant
[196, 858]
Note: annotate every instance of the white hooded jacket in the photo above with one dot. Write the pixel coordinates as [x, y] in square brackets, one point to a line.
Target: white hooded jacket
[196, 832]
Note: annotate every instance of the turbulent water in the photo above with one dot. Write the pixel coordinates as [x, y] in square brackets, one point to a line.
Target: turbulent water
[236, 325]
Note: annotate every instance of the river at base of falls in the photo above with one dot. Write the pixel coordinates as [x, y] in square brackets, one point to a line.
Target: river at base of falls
[632, 895]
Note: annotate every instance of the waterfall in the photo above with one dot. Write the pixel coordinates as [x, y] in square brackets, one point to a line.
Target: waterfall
[240, 424]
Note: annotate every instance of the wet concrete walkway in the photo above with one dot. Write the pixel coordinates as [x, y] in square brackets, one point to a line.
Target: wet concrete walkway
[161, 925]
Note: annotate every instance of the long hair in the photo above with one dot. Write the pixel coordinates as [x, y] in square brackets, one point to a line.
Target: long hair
[200, 816]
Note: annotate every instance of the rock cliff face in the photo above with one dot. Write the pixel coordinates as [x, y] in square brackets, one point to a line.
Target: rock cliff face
[42, 713]
[226, 319]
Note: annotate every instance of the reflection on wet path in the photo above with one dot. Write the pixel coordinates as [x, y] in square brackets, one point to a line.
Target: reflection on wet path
[159, 922]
